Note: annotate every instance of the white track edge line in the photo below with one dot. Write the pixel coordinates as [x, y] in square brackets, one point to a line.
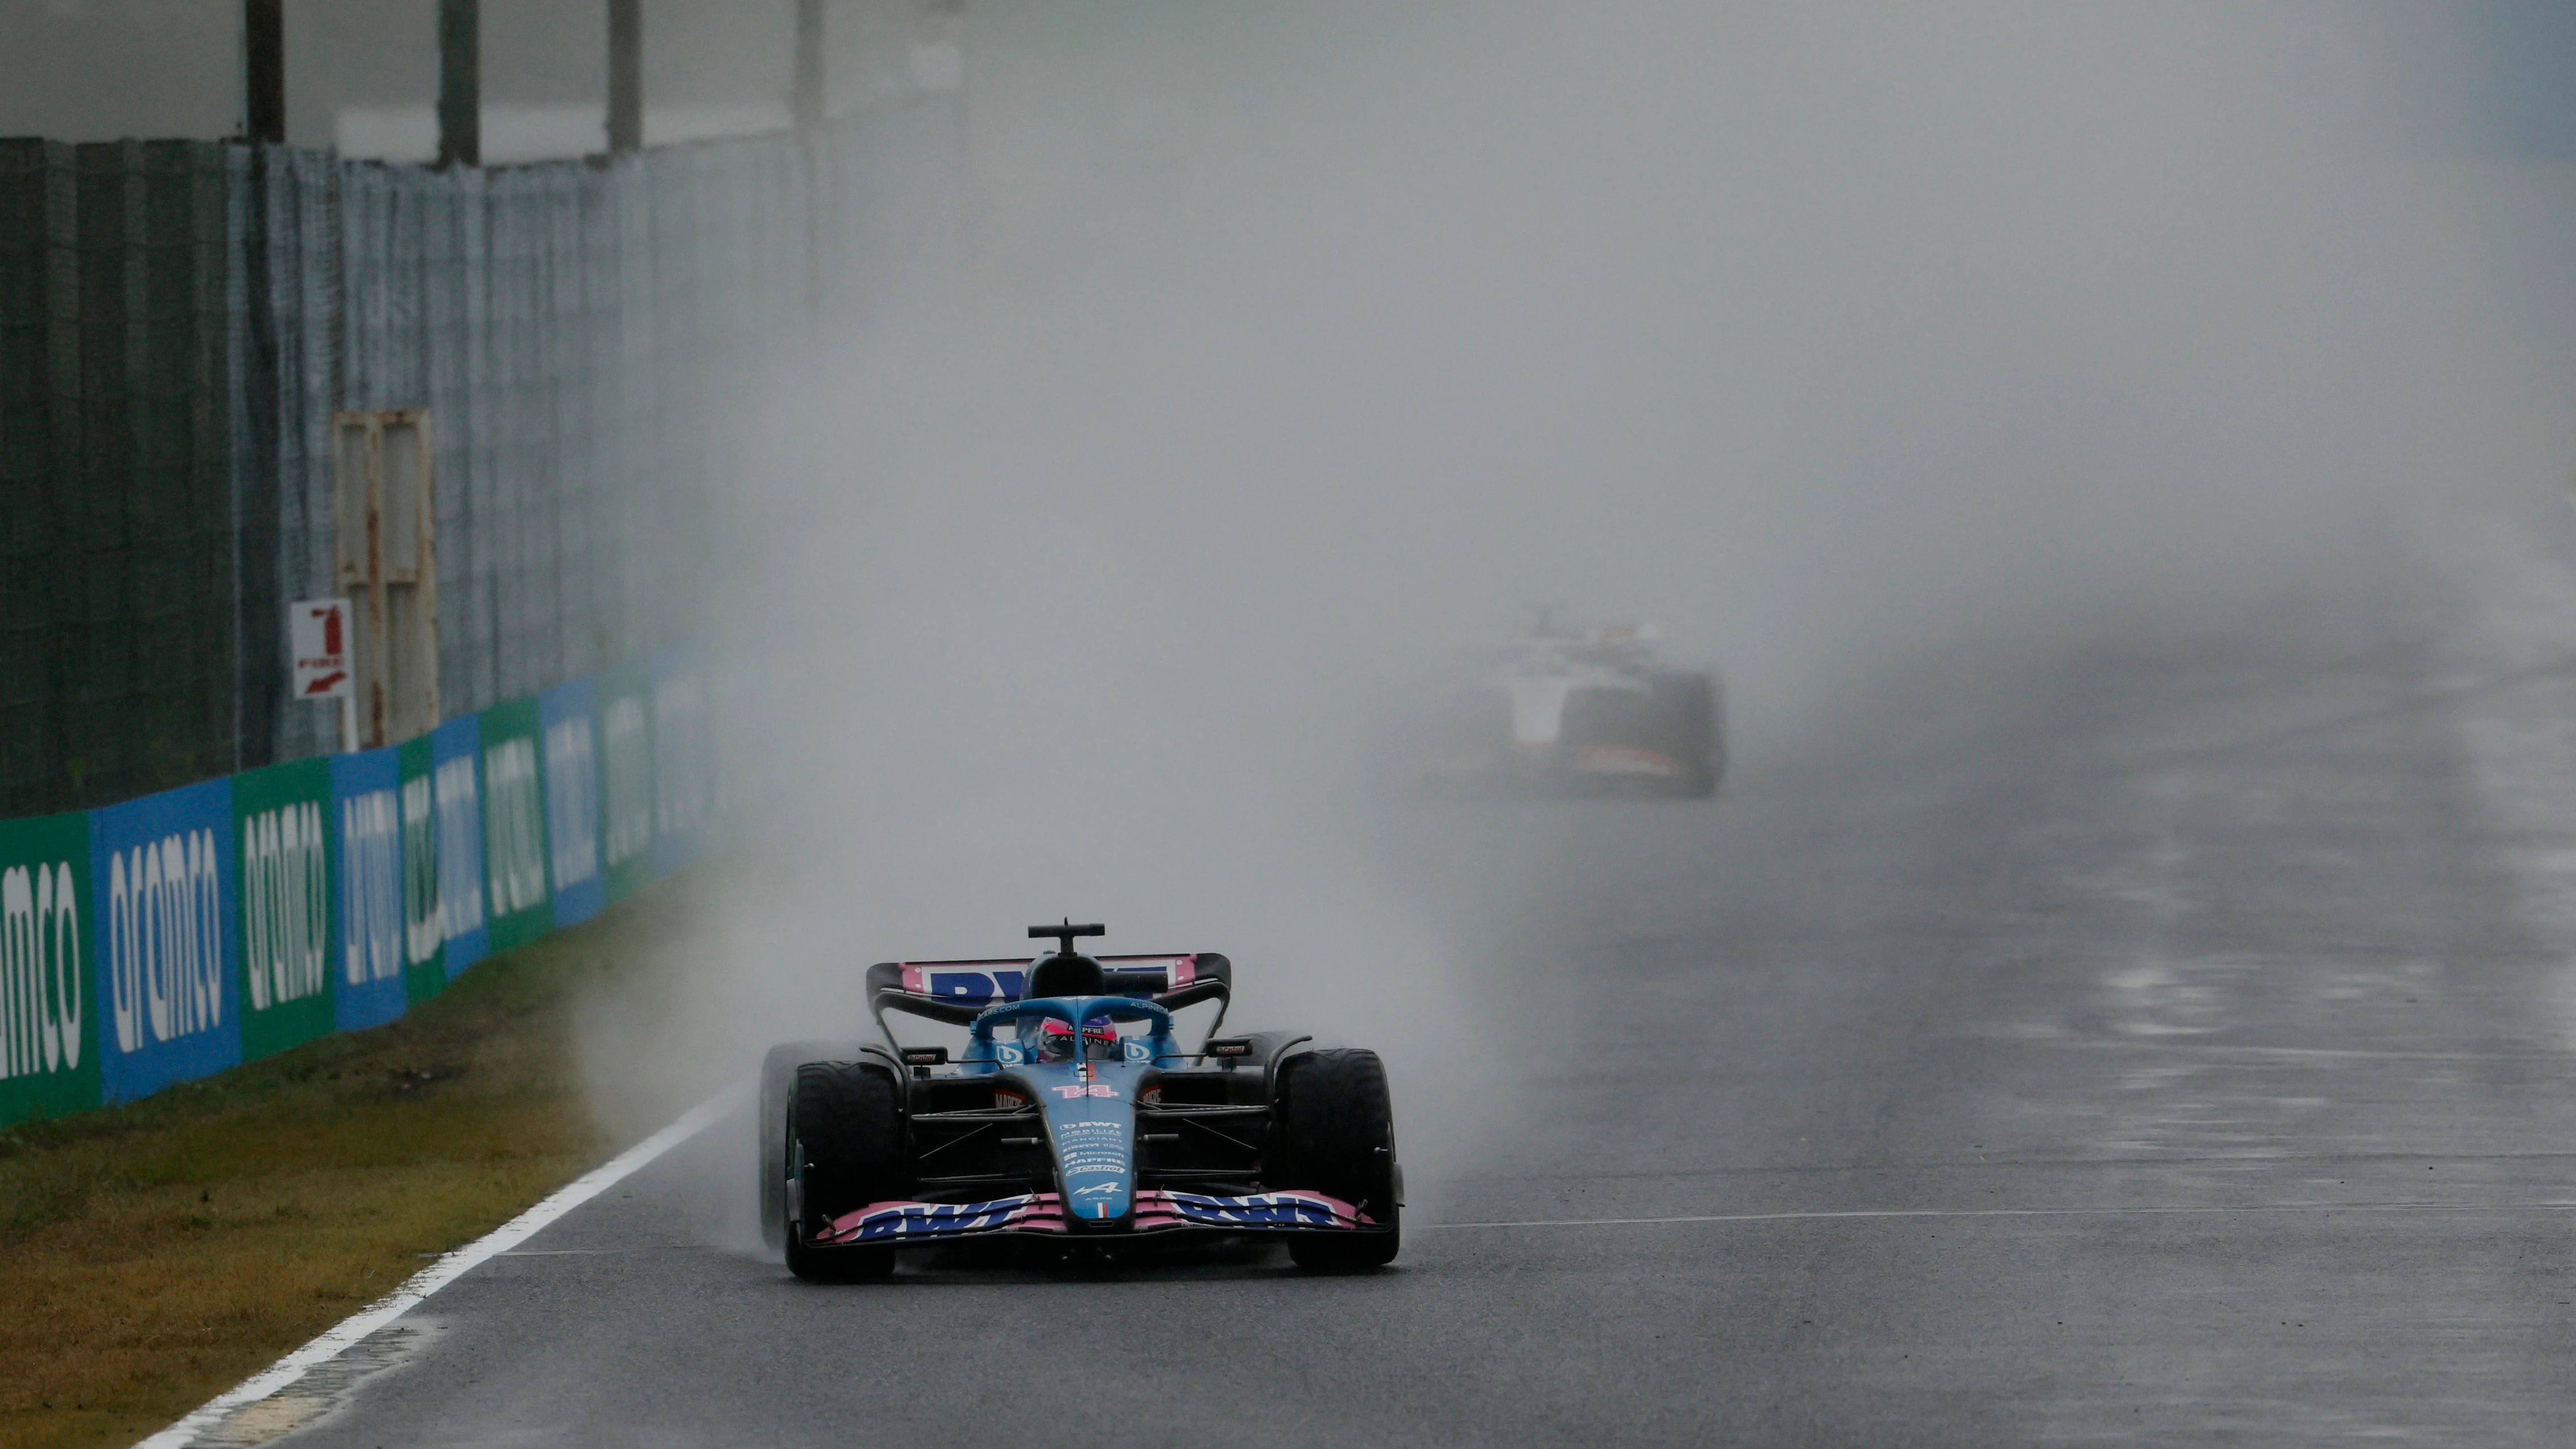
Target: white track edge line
[450, 1267]
[2554, 1206]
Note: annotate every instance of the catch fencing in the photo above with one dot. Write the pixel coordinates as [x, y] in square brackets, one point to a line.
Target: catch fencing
[117, 648]
[179, 321]
[192, 881]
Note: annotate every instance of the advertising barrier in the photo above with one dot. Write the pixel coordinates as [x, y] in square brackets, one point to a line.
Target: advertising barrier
[455, 752]
[683, 757]
[424, 920]
[365, 789]
[48, 1004]
[165, 938]
[288, 904]
[572, 800]
[161, 874]
[514, 827]
[626, 779]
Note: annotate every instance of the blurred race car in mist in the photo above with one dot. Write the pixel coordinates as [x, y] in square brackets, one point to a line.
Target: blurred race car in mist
[1073, 1122]
[1579, 710]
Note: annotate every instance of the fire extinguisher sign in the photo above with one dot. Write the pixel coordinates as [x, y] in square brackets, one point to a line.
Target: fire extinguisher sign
[318, 631]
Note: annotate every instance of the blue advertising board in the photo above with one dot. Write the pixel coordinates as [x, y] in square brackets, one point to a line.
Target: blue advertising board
[684, 757]
[568, 728]
[163, 872]
[455, 750]
[365, 808]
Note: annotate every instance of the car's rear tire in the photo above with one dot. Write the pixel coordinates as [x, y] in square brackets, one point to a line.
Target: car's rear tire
[1337, 1136]
[1687, 717]
[843, 1141]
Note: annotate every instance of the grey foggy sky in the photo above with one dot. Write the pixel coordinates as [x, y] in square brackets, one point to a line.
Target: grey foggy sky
[87, 70]
[91, 70]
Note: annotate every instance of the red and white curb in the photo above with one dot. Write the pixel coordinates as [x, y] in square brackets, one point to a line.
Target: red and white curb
[450, 1267]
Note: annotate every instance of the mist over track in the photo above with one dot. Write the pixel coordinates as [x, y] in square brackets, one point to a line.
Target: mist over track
[2142, 1036]
[2122, 992]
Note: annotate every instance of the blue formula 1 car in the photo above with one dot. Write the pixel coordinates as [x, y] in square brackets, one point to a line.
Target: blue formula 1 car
[1074, 1117]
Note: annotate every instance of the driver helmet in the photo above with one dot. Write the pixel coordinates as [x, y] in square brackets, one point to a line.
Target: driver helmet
[1055, 1039]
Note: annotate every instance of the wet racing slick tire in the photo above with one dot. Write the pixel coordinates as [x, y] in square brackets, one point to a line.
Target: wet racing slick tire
[1337, 1127]
[844, 1138]
[777, 1082]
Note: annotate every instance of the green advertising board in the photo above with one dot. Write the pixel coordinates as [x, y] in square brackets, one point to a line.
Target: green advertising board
[49, 1011]
[289, 903]
[424, 914]
[626, 775]
[521, 906]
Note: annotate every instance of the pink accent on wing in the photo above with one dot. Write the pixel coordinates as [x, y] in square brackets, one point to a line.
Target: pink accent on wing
[1156, 1210]
[1185, 969]
[1160, 1201]
[1033, 1212]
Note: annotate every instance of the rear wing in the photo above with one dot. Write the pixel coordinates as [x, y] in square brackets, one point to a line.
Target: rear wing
[958, 991]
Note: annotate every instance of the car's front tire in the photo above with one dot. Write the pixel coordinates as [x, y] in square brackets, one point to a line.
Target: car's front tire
[843, 1143]
[1337, 1136]
[777, 1084]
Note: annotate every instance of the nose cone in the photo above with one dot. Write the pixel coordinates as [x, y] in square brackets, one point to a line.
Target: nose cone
[1091, 1119]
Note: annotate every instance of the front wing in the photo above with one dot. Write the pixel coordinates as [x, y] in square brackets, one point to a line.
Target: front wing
[1156, 1211]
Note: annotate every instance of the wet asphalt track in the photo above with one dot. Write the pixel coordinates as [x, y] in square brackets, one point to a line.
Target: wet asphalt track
[2161, 1036]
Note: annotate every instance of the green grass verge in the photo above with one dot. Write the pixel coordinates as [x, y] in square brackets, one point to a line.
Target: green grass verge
[155, 1254]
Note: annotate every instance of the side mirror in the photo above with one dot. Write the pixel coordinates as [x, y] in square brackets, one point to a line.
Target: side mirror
[1228, 1051]
[925, 1056]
